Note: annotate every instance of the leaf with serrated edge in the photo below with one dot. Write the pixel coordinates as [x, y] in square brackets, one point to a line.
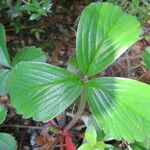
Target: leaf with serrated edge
[146, 57]
[42, 91]
[3, 80]
[104, 33]
[7, 142]
[29, 53]
[4, 56]
[121, 107]
[3, 113]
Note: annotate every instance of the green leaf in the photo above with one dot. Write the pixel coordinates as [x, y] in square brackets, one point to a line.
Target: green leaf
[91, 135]
[85, 147]
[42, 91]
[3, 80]
[121, 107]
[141, 146]
[31, 8]
[34, 16]
[4, 56]
[104, 33]
[29, 53]
[73, 66]
[99, 131]
[7, 142]
[3, 113]
[146, 57]
[37, 35]
[99, 146]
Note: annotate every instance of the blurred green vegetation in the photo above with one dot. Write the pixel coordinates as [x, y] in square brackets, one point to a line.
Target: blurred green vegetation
[12, 11]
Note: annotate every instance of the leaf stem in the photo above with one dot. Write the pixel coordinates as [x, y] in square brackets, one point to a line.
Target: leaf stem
[79, 111]
[21, 126]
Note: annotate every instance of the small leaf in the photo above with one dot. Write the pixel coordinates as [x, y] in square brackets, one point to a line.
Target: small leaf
[73, 66]
[121, 107]
[7, 142]
[4, 56]
[90, 135]
[29, 53]
[146, 57]
[30, 7]
[99, 131]
[37, 35]
[68, 141]
[3, 80]
[3, 113]
[34, 16]
[85, 147]
[104, 33]
[42, 91]
[99, 146]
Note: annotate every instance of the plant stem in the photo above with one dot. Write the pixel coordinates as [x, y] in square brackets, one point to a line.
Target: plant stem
[79, 111]
[21, 126]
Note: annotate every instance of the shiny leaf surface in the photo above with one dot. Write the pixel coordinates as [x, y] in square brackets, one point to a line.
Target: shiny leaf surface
[42, 91]
[104, 33]
[121, 107]
[29, 53]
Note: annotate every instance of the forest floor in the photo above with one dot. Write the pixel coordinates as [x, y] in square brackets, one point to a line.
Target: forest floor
[58, 41]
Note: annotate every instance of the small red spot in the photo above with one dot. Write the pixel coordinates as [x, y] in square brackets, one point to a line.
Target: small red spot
[68, 141]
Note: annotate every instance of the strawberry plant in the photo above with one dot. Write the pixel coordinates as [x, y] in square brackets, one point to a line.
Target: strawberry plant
[91, 138]
[28, 53]
[25, 54]
[43, 91]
